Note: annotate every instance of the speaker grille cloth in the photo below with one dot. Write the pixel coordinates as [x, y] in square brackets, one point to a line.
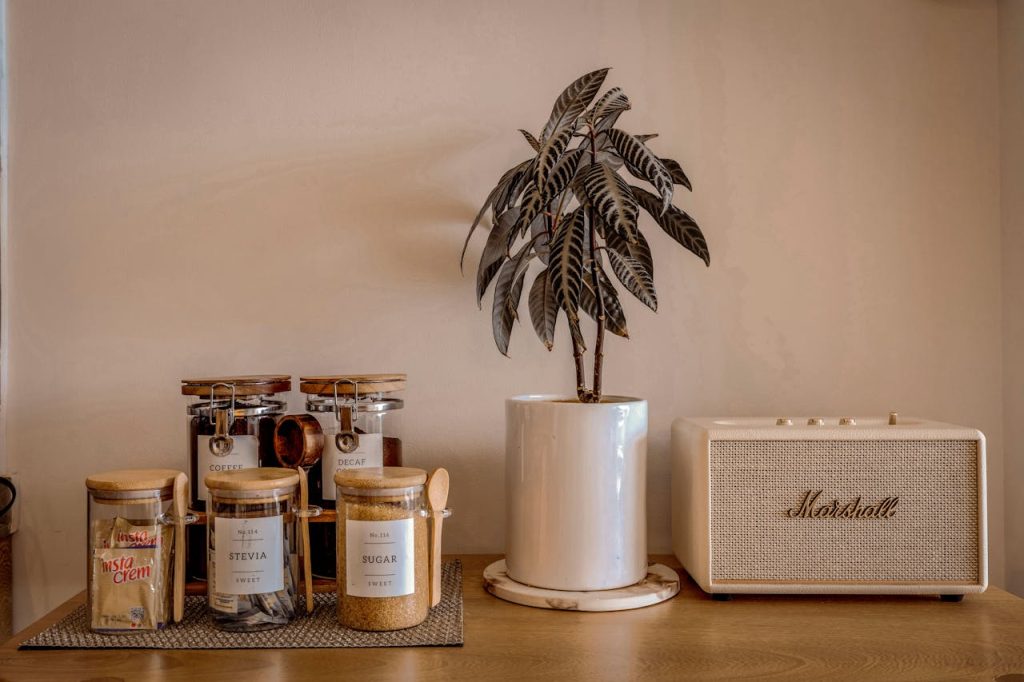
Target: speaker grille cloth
[932, 537]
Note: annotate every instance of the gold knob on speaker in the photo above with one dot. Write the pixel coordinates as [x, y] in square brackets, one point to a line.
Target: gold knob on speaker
[893, 416]
[847, 421]
[815, 421]
[783, 421]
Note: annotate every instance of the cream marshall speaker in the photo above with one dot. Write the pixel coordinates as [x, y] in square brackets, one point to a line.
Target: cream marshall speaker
[830, 505]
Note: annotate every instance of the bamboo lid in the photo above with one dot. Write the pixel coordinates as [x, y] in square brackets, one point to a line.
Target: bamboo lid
[381, 478]
[264, 478]
[368, 383]
[255, 384]
[126, 480]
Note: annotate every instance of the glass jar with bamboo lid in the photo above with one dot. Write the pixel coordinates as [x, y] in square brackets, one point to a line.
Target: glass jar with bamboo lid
[135, 566]
[252, 551]
[385, 548]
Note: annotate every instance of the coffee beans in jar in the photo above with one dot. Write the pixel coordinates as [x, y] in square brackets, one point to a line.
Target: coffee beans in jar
[230, 427]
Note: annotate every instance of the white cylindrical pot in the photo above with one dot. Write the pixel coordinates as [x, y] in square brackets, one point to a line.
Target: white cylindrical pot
[575, 484]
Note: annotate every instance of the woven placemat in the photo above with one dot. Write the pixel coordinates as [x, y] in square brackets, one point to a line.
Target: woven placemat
[318, 630]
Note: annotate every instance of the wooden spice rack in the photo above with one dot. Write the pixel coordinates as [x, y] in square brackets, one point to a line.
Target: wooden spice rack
[319, 585]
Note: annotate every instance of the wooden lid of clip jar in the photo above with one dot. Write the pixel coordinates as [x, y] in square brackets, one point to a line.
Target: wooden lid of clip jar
[385, 478]
[348, 384]
[132, 480]
[255, 384]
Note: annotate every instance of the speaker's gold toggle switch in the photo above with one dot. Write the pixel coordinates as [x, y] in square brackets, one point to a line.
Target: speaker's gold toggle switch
[783, 421]
[847, 421]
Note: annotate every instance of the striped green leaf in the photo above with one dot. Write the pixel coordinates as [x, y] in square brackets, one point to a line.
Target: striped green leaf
[508, 289]
[500, 191]
[612, 102]
[573, 101]
[614, 315]
[677, 224]
[565, 265]
[531, 140]
[642, 163]
[543, 309]
[640, 251]
[611, 198]
[495, 251]
[634, 277]
[676, 171]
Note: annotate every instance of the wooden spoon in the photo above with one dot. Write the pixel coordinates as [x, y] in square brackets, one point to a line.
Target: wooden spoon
[180, 495]
[307, 572]
[437, 497]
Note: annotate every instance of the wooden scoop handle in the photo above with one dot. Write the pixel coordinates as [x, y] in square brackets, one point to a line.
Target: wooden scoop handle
[437, 497]
[180, 496]
[307, 572]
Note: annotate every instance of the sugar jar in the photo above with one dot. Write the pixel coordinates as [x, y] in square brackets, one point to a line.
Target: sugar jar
[252, 547]
[132, 542]
[383, 548]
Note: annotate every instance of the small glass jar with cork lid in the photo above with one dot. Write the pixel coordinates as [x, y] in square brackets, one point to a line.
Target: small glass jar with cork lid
[136, 549]
[252, 549]
[383, 562]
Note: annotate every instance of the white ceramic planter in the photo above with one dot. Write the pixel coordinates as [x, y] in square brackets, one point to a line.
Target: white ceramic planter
[575, 483]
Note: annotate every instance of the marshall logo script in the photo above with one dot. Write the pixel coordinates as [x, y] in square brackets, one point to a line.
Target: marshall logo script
[810, 509]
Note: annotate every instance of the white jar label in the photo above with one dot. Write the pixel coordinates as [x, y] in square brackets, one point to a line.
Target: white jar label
[370, 453]
[244, 455]
[380, 558]
[249, 555]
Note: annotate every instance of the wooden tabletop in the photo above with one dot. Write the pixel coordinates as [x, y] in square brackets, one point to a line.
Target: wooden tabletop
[691, 636]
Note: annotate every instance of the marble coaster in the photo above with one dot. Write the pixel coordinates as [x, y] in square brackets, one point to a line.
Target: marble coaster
[660, 584]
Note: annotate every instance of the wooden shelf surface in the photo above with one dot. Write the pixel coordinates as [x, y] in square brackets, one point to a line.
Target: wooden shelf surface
[689, 637]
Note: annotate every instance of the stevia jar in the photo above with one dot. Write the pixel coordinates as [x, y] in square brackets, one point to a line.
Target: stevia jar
[383, 550]
[131, 548]
[251, 547]
[230, 427]
[360, 416]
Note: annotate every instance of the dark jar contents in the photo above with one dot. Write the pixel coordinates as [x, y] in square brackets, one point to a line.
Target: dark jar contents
[230, 427]
[243, 455]
[360, 419]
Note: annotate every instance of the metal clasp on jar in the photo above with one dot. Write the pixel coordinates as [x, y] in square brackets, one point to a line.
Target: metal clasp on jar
[221, 443]
[346, 440]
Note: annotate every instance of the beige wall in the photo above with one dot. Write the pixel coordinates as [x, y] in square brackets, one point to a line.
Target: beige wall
[1011, 82]
[231, 187]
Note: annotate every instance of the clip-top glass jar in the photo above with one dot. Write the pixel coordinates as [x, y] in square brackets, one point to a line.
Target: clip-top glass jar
[251, 547]
[360, 418]
[231, 424]
[359, 415]
[131, 546]
[230, 427]
[383, 550]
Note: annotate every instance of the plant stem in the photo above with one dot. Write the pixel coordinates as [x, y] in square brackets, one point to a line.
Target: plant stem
[598, 294]
[595, 264]
[581, 381]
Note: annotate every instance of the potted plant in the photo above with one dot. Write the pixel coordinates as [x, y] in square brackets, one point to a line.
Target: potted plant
[576, 466]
